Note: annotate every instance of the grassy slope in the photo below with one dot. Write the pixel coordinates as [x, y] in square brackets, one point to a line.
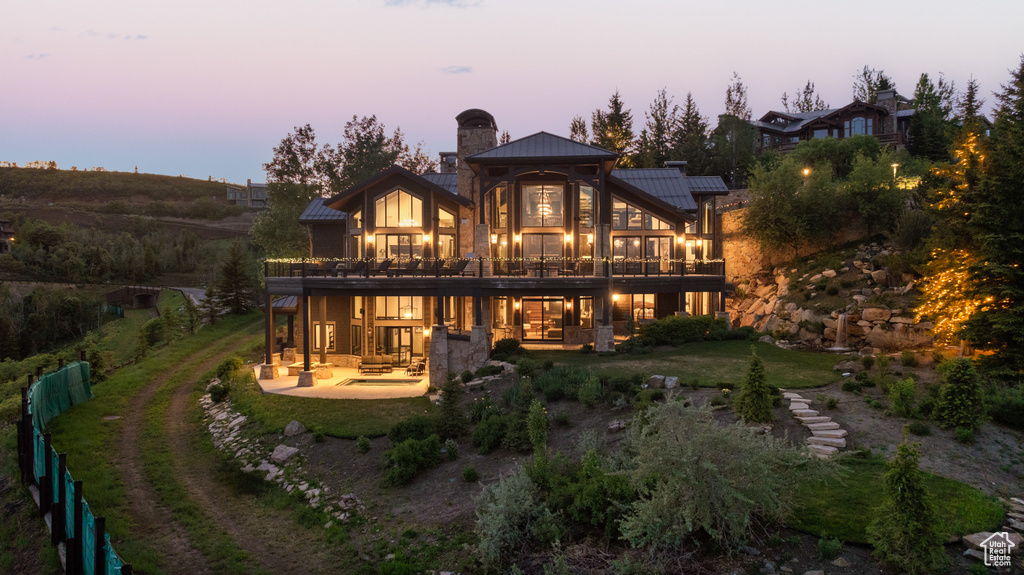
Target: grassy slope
[843, 508]
[711, 364]
[96, 186]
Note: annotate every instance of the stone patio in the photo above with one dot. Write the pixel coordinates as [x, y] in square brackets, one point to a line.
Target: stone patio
[328, 388]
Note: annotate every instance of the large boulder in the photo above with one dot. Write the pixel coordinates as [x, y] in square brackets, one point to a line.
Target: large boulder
[875, 314]
[294, 428]
[282, 453]
[879, 276]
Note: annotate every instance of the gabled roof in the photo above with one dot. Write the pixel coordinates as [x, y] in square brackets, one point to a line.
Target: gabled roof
[447, 180]
[317, 211]
[399, 171]
[706, 185]
[543, 145]
[666, 184]
[800, 120]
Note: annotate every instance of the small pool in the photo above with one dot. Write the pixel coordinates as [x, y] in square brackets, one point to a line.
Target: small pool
[380, 382]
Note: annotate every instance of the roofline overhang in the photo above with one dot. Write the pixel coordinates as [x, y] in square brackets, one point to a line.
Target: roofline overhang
[680, 213]
[394, 170]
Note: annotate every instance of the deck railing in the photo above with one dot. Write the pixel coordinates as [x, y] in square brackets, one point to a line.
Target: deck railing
[490, 267]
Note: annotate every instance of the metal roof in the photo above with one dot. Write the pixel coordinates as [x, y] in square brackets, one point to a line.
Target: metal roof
[447, 180]
[706, 185]
[543, 145]
[316, 211]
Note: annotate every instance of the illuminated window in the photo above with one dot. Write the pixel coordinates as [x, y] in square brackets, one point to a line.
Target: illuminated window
[445, 219]
[356, 219]
[399, 307]
[499, 202]
[542, 205]
[399, 209]
[626, 217]
[859, 126]
[330, 336]
[654, 223]
[586, 206]
[399, 246]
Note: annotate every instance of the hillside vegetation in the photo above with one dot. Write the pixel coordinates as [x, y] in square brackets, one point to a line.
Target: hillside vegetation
[36, 184]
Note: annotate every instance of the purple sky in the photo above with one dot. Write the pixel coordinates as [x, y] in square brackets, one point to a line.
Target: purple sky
[206, 88]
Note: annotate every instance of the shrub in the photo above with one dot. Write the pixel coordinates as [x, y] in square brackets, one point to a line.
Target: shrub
[466, 376]
[586, 348]
[960, 403]
[507, 349]
[718, 401]
[517, 435]
[754, 401]
[908, 358]
[600, 498]
[451, 419]
[1006, 406]
[404, 461]
[451, 448]
[905, 532]
[562, 419]
[689, 454]
[470, 474]
[919, 428]
[548, 364]
[219, 392]
[590, 392]
[561, 382]
[363, 444]
[829, 549]
[965, 434]
[852, 386]
[926, 407]
[319, 436]
[901, 396]
[489, 433]
[155, 330]
[537, 427]
[482, 408]
[486, 370]
[415, 427]
[831, 403]
[868, 361]
[677, 329]
[506, 513]
[884, 364]
[526, 367]
[633, 345]
[937, 357]
[228, 367]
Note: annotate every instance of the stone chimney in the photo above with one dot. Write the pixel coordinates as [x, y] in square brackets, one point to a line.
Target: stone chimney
[887, 100]
[477, 132]
[448, 162]
[679, 165]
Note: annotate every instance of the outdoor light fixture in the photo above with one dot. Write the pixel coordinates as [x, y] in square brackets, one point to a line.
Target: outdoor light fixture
[590, 238]
[515, 305]
[369, 239]
[568, 238]
[807, 172]
[615, 297]
[426, 238]
[494, 238]
[568, 304]
[680, 239]
[518, 238]
[894, 166]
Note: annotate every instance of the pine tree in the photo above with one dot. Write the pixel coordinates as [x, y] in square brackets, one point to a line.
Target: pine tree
[613, 130]
[754, 402]
[931, 126]
[661, 123]
[905, 532]
[236, 284]
[736, 99]
[451, 420]
[997, 277]
[690, 139]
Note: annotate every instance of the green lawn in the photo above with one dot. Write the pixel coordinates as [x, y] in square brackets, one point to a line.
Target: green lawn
[843, 508]
[335, 417]
[711, 364]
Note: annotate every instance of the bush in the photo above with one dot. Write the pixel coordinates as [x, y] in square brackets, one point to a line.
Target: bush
[318, 435]
[482, 408]
[852, 386]
[926, 407]
[526, 367]
[517, 434]
[965, 434]
[868, 361]
[537, 428]
[919, 428]
[506, 512]
[363, 444]
[908, 358]
[486, 370]
[754, 401]
[905, 531]
[470, 474]
[219, 392]
[466, 376]
[489, 433]
[689, 454]
[586, 349]
[415, 427]
[901, 397]
[548, 364]
[831, 403]
[829, 549]
[404, 461]
[507, 349]
[562, 419]
[677, 330]
[451, 448]
[590, 392]
[960, 403]
[633, 345]
[228, 367]
[561, 382]
[1006, 406]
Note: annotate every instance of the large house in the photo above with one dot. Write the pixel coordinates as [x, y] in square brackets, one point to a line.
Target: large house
[252, 196]
[541, 239]
[888, 120]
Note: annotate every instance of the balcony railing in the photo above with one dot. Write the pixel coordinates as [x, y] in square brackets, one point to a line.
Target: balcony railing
[490, 267]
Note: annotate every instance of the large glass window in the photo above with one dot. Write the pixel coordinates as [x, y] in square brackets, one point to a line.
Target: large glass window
[542, 318]
[542, 245]
[660, 249]
[859, 126]
[654, 223]
[446, 247]
[586, 206]
[356, 220]
[330, 336]
[707, 217]
[445, 219]
[626, 255]
[587, 312]
[399, 307]
[399, 246]
[542, 205]
[357, 340]
[638, 305]
[626, 217]
[399, 209]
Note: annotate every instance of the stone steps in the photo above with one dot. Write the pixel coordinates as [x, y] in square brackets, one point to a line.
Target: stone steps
[798, 405]
[826, 435]
[815, 419]
[836, 442]
[834, 433]
[822, 426]
[822, 449]
[805, 413]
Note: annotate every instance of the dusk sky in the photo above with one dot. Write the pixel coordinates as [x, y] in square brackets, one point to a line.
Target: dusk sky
[205, 88]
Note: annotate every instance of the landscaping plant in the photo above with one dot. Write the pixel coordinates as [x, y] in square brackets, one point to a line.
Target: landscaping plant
[960, 404]
[754, 402]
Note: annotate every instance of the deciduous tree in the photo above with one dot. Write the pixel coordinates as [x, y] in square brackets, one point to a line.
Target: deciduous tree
[868, 82]
[805, 100]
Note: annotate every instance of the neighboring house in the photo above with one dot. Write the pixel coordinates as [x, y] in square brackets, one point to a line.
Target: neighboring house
[6, 237]
[541, 239]
[888, 120]
[252, 196]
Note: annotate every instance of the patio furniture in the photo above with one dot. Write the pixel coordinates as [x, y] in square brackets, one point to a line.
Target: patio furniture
[343, 269]
[405, 269]
[375, 364]
[455, 269]
[382, 268]
[416, 368]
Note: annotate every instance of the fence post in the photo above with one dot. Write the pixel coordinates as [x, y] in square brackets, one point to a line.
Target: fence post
[58, 513]
[76, 547]
[99, 554]
[46, 481]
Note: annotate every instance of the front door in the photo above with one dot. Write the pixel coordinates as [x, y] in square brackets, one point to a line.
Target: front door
[542, 319]
[401, 343]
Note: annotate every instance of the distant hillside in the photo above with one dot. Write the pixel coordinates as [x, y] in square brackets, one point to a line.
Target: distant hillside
[52, 185]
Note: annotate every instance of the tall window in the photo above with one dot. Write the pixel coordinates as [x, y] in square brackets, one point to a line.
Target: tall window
[654, 223]
[542, 245]
[626, 217]
[446, 247]
[499, 202]
[586, 206]
[356, 220]
[399, 209]
[707, 217]
[859, 126]
[399, 246]
[659, 248]
[445, 219]
[399, 307]
[542, 205]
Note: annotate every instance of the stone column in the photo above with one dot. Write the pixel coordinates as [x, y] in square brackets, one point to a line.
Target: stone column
[438, 355]
[323, 328]
[604, 338]
[478, 343]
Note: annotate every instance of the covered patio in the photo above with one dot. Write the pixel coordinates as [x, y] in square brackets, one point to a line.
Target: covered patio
[348, 383]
